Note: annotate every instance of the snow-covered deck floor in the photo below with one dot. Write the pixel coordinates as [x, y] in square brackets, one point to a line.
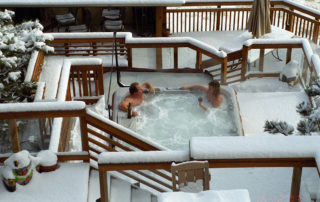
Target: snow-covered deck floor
[69, 182]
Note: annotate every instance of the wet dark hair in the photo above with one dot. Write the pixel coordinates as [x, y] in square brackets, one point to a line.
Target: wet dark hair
[133, 88]
[216, 87]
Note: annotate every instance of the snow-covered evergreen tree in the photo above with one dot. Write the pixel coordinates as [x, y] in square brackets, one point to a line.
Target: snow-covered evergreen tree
[16, 45]
[278, 127]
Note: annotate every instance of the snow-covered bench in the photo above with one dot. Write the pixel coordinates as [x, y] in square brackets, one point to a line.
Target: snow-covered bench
[236, 44]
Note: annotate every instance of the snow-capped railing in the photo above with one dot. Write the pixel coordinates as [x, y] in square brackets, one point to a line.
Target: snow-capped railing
[313, 63]
[224, 152]
[127, 43]
[304, 23]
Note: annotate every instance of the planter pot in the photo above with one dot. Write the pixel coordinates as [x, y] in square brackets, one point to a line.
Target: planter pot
[166, 33]
[48, 168]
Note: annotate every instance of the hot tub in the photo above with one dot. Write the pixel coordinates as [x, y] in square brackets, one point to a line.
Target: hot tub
[172, 116]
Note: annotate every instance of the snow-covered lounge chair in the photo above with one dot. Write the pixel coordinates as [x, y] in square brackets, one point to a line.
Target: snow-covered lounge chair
[236, 44]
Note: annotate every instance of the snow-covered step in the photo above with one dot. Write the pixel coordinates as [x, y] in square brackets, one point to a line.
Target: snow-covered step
[140, 195]
[120, 191]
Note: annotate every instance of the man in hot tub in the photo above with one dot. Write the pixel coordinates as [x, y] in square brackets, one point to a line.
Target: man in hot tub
[213, 93]
[136, 96]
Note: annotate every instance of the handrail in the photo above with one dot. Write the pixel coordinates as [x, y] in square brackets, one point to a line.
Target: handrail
[312, 59]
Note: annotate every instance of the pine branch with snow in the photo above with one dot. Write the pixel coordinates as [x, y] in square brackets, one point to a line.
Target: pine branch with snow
[278, 127]
[305, 127]
[304, 109]
[314, 88]
[17, 42]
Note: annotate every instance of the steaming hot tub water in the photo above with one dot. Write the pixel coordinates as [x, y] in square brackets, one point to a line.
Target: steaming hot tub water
[172, 117]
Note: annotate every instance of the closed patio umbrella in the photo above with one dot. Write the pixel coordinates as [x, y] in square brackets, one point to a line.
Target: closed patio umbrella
[259, 20]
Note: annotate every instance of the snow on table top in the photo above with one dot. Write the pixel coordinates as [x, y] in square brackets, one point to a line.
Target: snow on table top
[239, 195]
[256, 108]
[254, 147]
[69, 182]
[143, 157]
[42, 106]
[95, 3]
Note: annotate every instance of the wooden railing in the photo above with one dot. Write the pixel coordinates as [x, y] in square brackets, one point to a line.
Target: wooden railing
[296, 163]
[309, 72]
[118, 139]
[297, 19]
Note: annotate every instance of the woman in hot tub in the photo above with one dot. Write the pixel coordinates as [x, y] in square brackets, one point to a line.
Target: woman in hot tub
[213, 93]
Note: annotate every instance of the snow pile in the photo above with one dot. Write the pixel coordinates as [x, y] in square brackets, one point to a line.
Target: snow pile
[238, 195]
[290, 70]
[143, 157]
[21, 157]
[47, 158]
[192, 187]
[259, 85]
[254, 147]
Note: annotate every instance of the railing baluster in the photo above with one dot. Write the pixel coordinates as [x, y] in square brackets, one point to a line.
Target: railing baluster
[95, 82]
[79, 83]
[279, 16]
[303, 27]
[234, 20]
[242, 12]
[180, 21]
[229, 20]
[300, 22]
[238, 20]
[283, 20]
[194, 21]
[89, 78]
[296, 21]
[218, 19]
[173, 22]
[206, 21]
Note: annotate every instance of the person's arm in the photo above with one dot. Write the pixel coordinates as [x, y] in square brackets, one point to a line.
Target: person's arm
[200, 87]
[202, 106]
[149, 86]
[124, 107]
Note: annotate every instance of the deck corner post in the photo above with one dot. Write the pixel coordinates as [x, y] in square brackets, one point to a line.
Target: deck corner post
[244, 62]
[295, 184]
[103, 186]
[13, 129]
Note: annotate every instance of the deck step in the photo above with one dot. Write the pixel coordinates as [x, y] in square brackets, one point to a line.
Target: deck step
[120, 191]
[140, 195]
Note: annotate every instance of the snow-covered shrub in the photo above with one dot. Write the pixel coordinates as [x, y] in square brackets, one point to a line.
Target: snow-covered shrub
[278, 127]
[17, 42]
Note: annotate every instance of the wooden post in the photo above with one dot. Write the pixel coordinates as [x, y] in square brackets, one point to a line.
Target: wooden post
[198, 60]
[175, 58]
[224, 68]
[289, 53]
[271, 14]
[295, 184]
[218, 19]
[103, 186]
[315, 32]
[261, 59]
[129, 51]
[84, 134]
[13, 129]
[159, 12]
[244, 62]
[67, 52]
[95, 49]
[290, 21]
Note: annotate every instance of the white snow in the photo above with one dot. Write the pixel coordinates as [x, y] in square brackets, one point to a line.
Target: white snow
[31, 65]
[143, 157]
[7, 173]
[55, 134]
[238, 195]
[47, 158]
[21, 157]
[42, 106]
[290, 70]
[192, 187]
[14, 76]
[69, 182]
[254, 147]
[274, 106]
[39, 91]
